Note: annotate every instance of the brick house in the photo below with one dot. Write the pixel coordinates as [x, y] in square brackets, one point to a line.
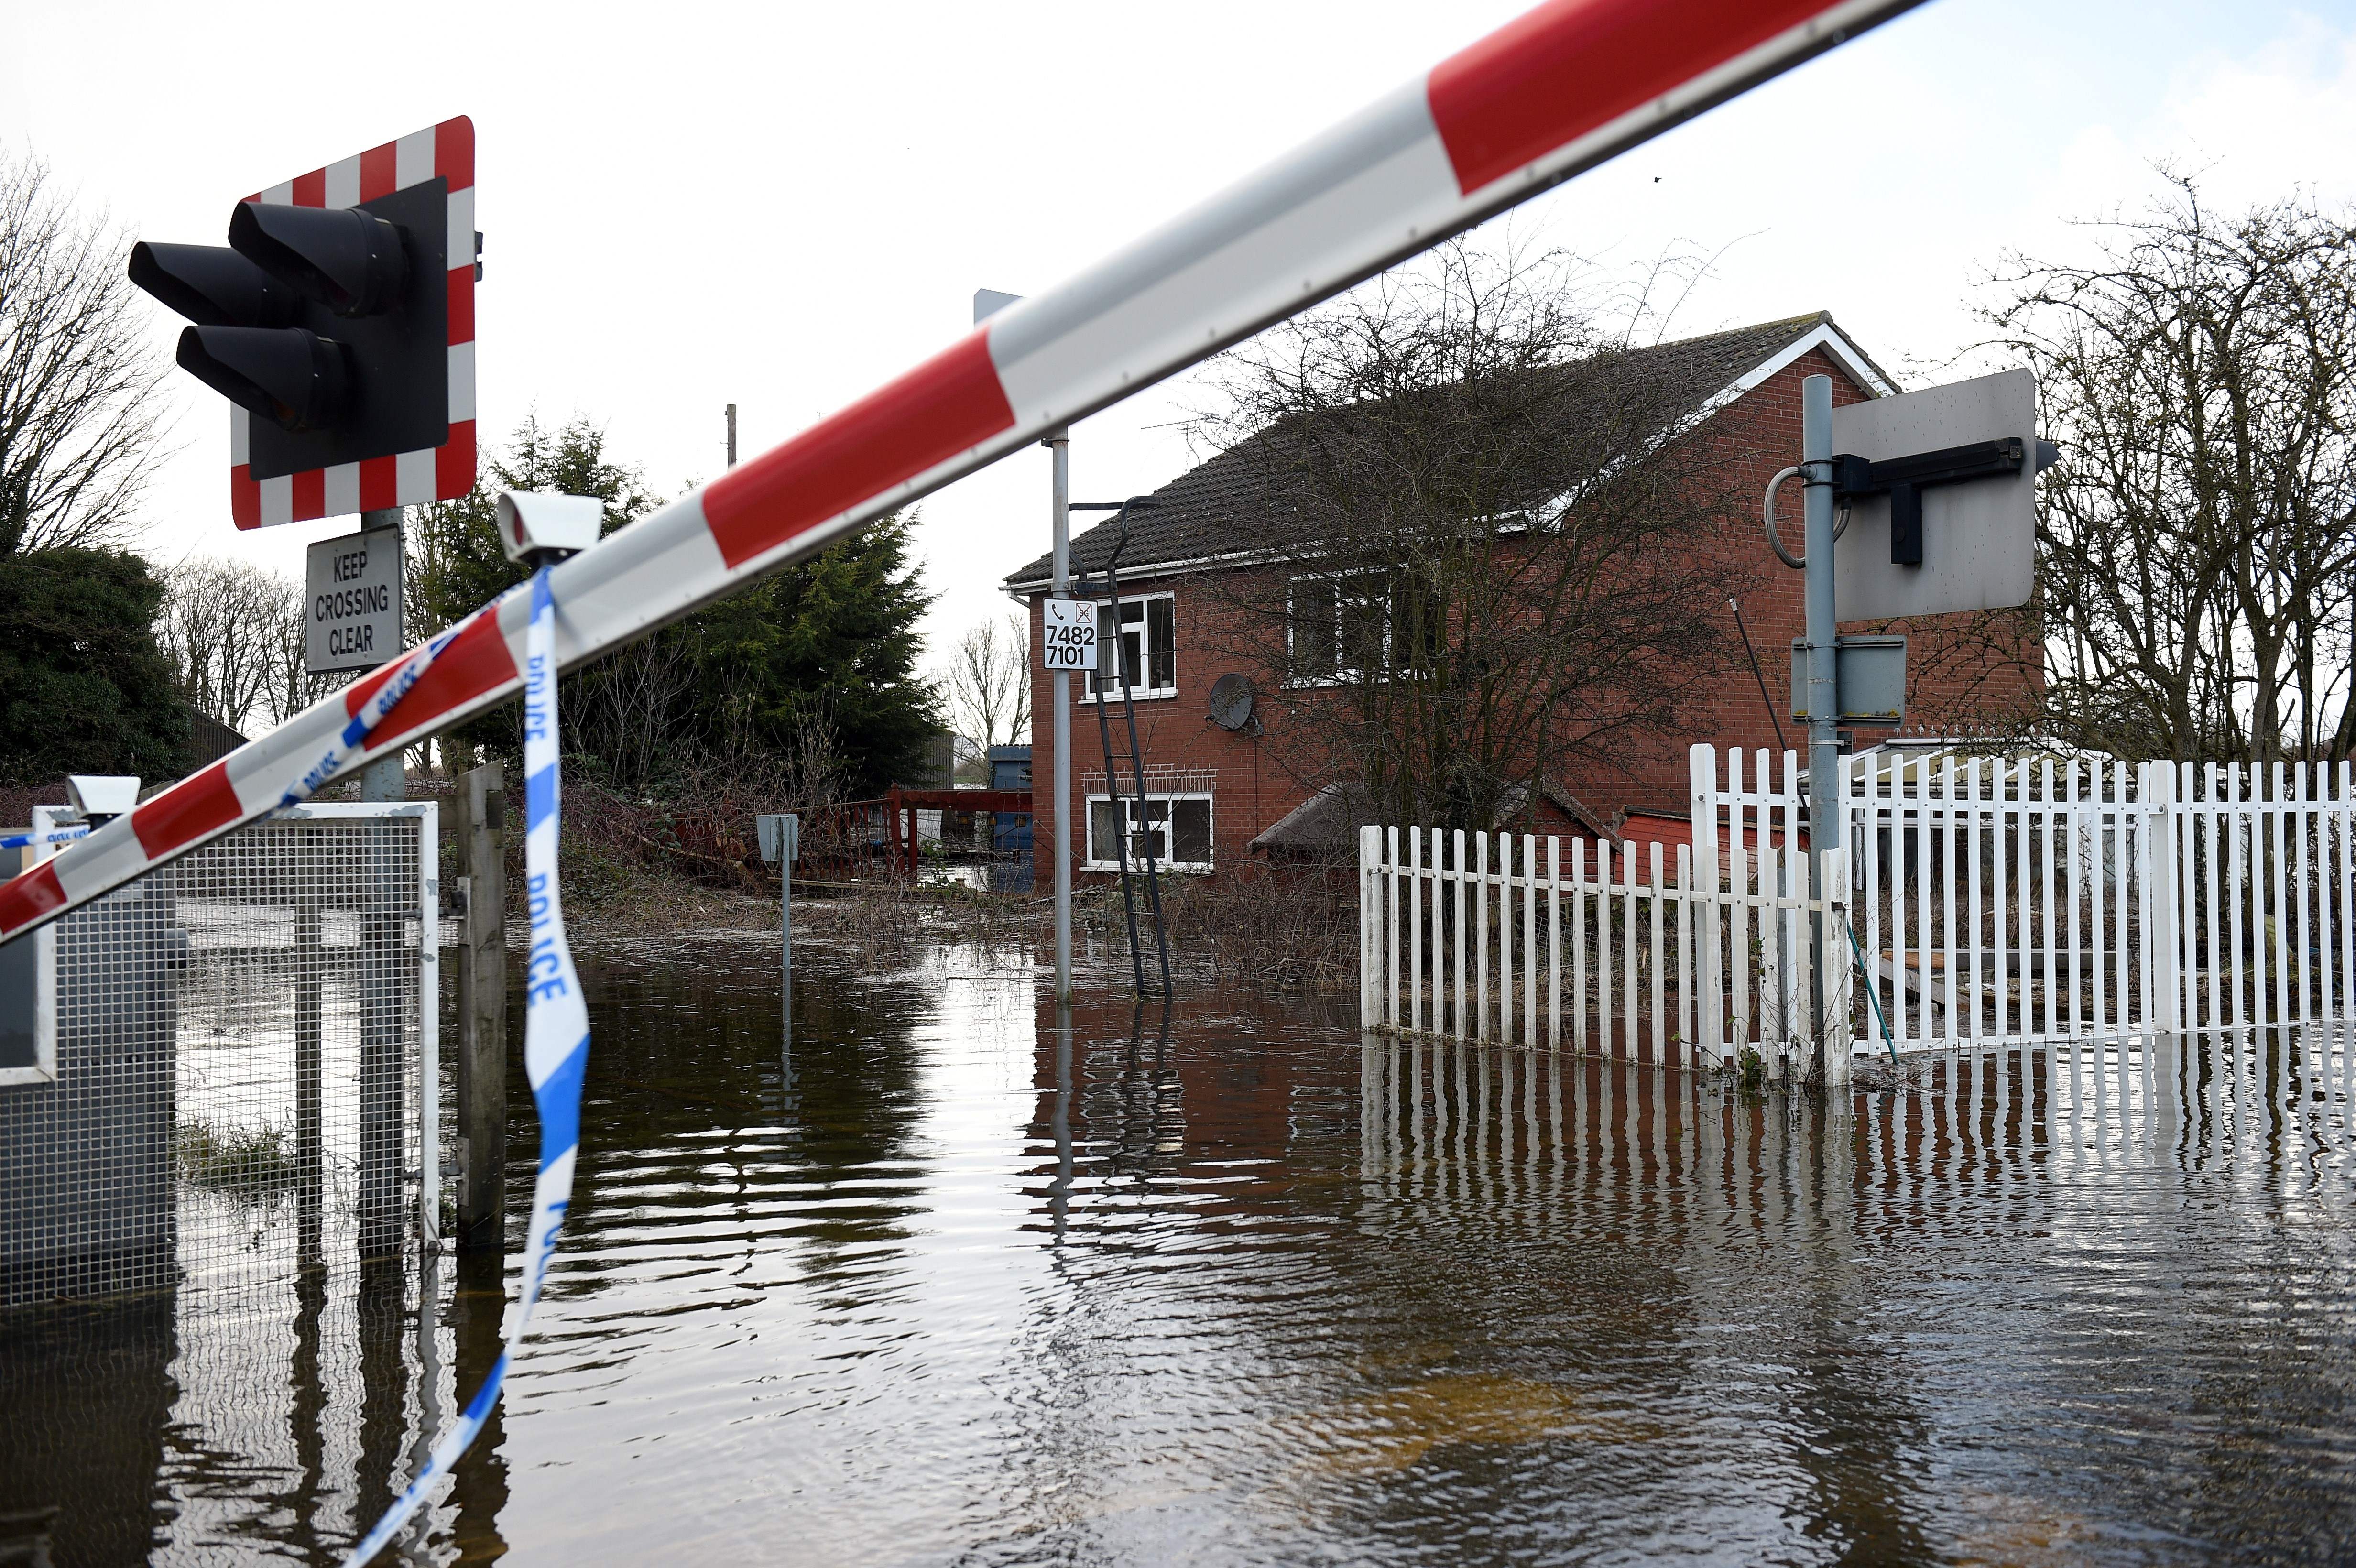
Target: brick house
[1221, 791]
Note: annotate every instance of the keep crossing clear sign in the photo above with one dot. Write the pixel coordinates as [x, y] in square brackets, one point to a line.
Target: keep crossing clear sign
[352, 617]
[1071, 634]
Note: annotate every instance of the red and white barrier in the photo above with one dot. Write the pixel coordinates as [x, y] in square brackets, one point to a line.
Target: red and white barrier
[1562, 89]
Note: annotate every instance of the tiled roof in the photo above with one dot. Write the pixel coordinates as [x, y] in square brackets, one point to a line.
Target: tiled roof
[1211, 509]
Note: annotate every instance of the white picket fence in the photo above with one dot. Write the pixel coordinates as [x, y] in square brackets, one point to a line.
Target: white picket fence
[1993, 901]
[1525, 941]
[2058, 898]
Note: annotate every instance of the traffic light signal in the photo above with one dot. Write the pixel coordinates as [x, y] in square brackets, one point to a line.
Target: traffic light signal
[330, 323]
[341, 318]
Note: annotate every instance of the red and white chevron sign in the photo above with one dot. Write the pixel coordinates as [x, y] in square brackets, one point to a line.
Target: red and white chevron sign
[1560, 89]
[404, 479]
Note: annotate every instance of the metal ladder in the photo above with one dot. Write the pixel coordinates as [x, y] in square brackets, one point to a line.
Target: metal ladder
[1121, 803]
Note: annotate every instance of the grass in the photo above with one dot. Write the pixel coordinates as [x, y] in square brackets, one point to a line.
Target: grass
[250, 1161]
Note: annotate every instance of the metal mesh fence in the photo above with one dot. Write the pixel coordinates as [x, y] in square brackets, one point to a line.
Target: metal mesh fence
[239, 1044]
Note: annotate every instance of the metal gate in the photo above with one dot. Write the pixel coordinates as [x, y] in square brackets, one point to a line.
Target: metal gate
[239, 1074]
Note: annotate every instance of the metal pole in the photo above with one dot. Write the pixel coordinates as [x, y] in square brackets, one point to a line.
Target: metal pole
[731, 435]
[383, 779]
[1060, 445]
[1059, 1123]
[1831, 1063]
[789, 834]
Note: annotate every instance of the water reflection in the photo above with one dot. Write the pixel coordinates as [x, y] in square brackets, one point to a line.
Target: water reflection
[961, 1278]
[2014, 1311]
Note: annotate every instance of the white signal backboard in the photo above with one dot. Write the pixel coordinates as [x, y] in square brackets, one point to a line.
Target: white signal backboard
[1979, 536]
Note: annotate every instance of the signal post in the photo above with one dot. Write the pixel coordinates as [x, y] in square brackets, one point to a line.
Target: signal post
[1936, 494]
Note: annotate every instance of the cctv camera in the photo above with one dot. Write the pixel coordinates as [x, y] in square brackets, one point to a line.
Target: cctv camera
[97, 798]
[532, 526]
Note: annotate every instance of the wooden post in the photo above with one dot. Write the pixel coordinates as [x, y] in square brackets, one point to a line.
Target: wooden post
[483, 1009]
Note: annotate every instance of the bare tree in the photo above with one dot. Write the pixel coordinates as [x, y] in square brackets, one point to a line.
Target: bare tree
[811, 769]
[234, 632]
[78, 383]
[2197, 547]
[986, 682]
[292, 687]
[1484, 525]
[629, 706]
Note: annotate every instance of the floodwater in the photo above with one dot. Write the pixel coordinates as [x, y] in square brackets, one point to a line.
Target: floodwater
[954, 1287]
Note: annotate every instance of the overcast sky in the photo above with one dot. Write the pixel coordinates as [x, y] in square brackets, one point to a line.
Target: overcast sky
[783, 205]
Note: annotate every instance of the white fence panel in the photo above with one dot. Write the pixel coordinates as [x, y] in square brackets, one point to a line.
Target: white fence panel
[1997, 902]
[1530, 941]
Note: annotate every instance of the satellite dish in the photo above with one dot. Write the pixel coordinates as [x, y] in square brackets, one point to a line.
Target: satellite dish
[1231, 701]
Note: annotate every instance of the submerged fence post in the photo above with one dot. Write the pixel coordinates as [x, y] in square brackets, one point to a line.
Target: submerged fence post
[1368, 1015]
[1838, 972]
[789, 850]
[482, 1057]
[1710, 983]
[2163, 965]
[383, 1070]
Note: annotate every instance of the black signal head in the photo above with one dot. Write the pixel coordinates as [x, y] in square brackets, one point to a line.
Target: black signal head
[213, 286]
[352, 261]
[297, 377]
[331, 324]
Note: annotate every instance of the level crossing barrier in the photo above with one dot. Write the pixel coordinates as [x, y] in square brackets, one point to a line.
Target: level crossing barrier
[1565, 86]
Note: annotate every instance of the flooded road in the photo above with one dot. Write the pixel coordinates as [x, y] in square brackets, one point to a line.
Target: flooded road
[955, 1286]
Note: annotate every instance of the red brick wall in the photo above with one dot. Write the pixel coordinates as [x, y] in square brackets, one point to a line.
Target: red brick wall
[1760, 433]
[1251, 790]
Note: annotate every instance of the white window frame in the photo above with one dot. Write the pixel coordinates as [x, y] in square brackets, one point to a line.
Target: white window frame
[1145, 619]
[1343, 674]
[1170, 797]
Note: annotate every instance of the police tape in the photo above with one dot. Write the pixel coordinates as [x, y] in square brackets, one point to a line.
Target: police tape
[55, 836]
[555, 1047]
[353, 737]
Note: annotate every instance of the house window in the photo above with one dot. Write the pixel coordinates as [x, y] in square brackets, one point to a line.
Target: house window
[1143, 637]
[1176, 829]
[1337, 627]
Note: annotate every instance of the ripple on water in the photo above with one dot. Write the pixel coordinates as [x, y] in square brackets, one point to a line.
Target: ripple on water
[949, 1286]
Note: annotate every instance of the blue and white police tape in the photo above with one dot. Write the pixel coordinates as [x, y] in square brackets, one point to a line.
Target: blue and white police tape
[54, 835]
[361, 725]
[555, 1047]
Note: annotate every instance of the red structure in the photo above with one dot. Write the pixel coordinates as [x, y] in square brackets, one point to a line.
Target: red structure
[855, 838]
[902, 804]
